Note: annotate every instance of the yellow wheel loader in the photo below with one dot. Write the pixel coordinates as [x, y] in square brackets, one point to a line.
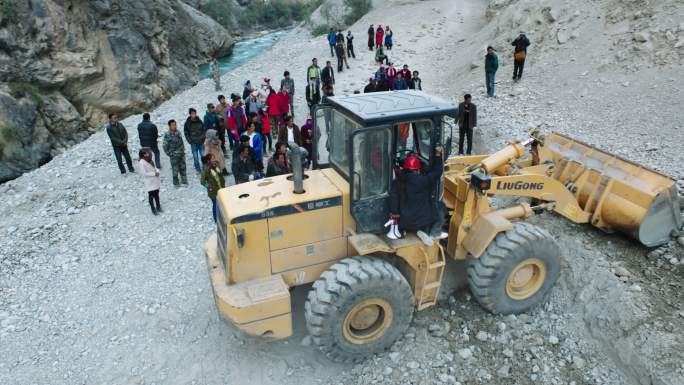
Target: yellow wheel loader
[326, 226]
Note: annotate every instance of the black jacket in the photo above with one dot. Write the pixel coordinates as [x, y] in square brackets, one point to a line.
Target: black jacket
[148, 134]
[194, 131]
[369, 88]
[472, 117]
[328, 75]
[242, 169]
[313, 98]
[411, 196]
[521, 43]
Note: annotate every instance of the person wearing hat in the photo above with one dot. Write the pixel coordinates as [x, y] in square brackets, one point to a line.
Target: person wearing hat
[519, 53]
[412, 201]
[370, 87]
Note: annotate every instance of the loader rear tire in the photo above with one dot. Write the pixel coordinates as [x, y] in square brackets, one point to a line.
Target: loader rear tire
[516, 271]
[358, 307]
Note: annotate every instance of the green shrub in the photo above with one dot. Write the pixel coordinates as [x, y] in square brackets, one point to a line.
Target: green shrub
[320, 29]
[8, 9]
[358, 9]
[9, 132]
[23, 89]
[258, 14]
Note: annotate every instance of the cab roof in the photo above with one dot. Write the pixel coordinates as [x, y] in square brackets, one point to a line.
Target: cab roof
[378, 107]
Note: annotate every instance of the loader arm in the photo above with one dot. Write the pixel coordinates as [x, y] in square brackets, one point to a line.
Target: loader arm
[543, 188]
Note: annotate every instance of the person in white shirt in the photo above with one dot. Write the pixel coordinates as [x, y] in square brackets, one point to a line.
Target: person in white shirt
[151, 179]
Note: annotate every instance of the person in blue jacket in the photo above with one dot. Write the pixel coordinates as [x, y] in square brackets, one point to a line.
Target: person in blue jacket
[399, 83]
[332, 39]
[256, 143]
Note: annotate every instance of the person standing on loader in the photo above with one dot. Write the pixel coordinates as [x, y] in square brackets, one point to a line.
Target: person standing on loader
[411, 200]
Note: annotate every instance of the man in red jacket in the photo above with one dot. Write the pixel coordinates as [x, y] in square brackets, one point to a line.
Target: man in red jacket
[405, 73]
[283, 103]
[273, 108]
[236, 119]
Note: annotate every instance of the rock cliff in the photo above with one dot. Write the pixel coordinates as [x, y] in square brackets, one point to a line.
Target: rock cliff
[65, 64]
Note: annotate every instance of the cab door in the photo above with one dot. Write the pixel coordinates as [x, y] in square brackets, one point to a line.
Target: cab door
[371, 176]
[322, 127]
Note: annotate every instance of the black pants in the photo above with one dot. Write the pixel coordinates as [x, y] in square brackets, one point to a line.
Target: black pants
[350, 51]
[123, 150]
[155, 151]
[518, 68]
[463, 131]
[340, 63]
[153, 198]
[332, 49]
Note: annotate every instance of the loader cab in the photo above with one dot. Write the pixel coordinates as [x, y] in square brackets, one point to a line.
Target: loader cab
[365, 138]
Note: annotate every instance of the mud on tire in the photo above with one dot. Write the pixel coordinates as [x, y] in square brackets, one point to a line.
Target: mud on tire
[359, 292]
[524, 251]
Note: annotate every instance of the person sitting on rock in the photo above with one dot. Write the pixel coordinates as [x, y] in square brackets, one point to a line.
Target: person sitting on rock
[278, 165]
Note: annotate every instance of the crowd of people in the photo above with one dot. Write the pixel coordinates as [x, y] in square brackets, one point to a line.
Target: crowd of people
[244, 130]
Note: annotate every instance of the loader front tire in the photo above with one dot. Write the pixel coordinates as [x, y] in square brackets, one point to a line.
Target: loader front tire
[516, 271]
[358, 307]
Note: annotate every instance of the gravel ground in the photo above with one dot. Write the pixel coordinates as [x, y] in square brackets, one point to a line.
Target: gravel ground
[93, 289]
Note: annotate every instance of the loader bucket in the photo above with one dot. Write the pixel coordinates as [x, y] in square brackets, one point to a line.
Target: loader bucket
[620, 195]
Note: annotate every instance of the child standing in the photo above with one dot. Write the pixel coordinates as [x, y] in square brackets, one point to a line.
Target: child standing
[151, 178]
[212, 180]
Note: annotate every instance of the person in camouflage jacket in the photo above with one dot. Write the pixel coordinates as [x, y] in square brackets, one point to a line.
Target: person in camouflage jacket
[175, 149]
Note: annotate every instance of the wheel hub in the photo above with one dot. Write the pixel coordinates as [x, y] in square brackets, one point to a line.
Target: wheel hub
[526, 279]
[367, 321]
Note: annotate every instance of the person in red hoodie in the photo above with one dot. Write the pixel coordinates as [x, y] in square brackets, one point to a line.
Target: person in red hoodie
[266, 132]
[283, 105]
[273, 108]
[379, 36]
[405, 73]
[236, 119]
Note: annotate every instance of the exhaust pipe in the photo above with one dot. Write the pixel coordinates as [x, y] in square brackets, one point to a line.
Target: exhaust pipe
[297, 168]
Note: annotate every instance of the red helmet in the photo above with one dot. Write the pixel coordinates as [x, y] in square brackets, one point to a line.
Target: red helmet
[411, 162]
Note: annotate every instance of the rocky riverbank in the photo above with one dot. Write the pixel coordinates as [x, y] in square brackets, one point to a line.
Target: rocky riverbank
[64, 66]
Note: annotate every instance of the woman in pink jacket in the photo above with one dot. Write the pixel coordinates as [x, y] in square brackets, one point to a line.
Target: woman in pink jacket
[391, 74]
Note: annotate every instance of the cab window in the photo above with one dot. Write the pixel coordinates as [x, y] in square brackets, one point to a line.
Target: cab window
[342, 129]
[372, 171]
[415, 136]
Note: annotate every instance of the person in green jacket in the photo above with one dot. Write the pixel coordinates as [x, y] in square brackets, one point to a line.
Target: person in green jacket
[212, 179]
[173, 147]
[491, 65]
[119, 138]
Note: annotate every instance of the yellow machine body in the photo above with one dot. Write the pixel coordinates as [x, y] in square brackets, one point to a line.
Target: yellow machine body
[270, 238]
